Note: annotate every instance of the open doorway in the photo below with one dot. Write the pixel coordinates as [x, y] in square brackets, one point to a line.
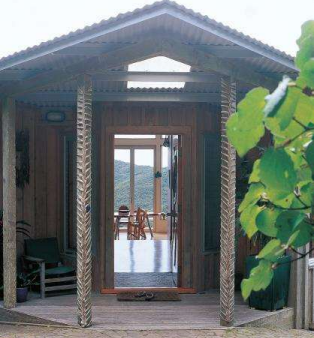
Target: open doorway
[146, 210]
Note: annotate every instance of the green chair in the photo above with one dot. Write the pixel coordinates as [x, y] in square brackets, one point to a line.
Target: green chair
[53, 276]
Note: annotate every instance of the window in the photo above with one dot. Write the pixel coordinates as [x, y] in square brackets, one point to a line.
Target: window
[158, 64]
[211, 192]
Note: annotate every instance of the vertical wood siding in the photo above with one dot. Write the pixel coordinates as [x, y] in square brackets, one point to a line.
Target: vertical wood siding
[41, 201]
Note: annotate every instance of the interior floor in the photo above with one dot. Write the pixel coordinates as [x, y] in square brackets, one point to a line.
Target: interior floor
[142, 263]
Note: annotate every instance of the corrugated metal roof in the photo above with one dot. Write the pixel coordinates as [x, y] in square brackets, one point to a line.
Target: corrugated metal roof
[164, 18]
[93, 31]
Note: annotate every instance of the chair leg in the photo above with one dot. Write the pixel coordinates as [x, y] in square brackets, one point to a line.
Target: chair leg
[42, 280]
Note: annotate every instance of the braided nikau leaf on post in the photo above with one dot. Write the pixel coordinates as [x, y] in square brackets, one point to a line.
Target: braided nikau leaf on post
[84, 187]
[228, 179]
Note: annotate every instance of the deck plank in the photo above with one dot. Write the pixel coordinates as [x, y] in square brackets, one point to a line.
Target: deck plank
[193, 312]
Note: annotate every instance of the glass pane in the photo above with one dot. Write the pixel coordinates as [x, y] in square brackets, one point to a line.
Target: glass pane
[121, 178]
[165, 198]
[144, 179]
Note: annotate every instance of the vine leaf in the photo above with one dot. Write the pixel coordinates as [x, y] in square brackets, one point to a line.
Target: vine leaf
[265, 221]
[309, 155]
[281, 179]
[255, 192]
[260, 278]
[245, 128]
[247, 219]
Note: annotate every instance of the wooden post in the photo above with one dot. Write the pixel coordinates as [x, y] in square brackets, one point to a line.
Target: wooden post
[84, 192]
[228, 179]
[9, 203]
[299, 289]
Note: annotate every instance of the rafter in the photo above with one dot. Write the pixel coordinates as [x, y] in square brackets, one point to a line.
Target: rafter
[197, 77]
[130, 96]
[120, 57]
[199, 59]
[137, 52]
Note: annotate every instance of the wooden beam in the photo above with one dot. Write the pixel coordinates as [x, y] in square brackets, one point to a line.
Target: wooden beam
[124, 56]
[204, 61]
[130, 96]
[122, 76]
[9, 203]
[137, 52]
[83, 201]
[93, 49]
[227, 212]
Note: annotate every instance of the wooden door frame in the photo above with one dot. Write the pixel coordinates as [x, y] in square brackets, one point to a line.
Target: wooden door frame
[106, 235]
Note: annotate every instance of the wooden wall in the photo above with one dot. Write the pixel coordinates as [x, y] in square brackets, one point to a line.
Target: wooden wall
[41, 202]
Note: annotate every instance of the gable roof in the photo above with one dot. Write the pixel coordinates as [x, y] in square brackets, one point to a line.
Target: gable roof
[225, 35]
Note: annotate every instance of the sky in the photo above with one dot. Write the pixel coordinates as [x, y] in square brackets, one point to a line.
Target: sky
[25, 23]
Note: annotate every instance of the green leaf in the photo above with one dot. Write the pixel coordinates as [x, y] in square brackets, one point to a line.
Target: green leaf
[309, 155]
[254, 193]
[287, 223]
[260, 278]
[307, 73]
[305, 234]
[272, 250]
[305, 56]
[278, 174]
[247, 288]
[275, 99]
[307, 192]
[245, 128]
[255, 175]
[284, 113]
[247, 219]
[307, 32]
[306, 44]
[265, 222]
[303, 113]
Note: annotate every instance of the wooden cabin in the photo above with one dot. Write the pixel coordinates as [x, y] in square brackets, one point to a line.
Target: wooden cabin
[66, 100]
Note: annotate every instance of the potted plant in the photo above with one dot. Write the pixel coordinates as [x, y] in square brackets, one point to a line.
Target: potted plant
[23, 282]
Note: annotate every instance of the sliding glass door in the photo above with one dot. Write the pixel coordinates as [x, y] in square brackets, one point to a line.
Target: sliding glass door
[134, 177]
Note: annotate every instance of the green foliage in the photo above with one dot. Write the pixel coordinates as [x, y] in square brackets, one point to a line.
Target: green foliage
[243, 131]
[280, 196]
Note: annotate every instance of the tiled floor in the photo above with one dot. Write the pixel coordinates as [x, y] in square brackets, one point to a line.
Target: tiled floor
[142, 263]
[142, 256]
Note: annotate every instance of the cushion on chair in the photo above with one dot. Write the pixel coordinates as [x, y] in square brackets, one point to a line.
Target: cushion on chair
[44, 248]
[60, 270]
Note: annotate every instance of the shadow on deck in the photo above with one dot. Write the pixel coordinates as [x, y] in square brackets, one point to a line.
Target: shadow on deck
[200, 311]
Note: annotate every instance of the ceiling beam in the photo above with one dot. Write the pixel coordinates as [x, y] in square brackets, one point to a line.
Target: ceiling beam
[122, 76]
[137, 52]
[93, 49]
[70, 97]
[120, 57]
[201, 60]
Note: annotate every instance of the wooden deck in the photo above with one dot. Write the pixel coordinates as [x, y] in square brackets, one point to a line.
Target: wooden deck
[199, 311]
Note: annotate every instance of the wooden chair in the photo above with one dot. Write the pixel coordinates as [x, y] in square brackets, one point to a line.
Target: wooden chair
[53, 276]
[123, 213]
[136, 230]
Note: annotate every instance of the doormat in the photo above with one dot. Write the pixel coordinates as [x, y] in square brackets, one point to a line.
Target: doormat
[148, 296]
